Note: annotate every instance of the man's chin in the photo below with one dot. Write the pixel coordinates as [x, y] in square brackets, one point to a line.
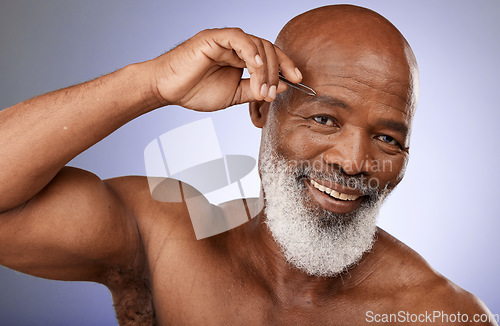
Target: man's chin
[324, 216]
[320, 242]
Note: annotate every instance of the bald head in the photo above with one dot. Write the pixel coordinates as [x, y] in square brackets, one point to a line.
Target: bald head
[344, 39]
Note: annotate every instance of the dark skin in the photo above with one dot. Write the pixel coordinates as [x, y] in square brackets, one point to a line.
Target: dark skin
[64, 223]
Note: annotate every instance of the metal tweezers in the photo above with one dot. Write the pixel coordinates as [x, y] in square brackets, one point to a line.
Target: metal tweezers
[301, 87]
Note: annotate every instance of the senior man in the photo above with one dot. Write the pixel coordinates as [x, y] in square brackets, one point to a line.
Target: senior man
[312, 256]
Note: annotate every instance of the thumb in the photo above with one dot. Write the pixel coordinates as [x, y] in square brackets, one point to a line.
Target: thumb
[244, 93]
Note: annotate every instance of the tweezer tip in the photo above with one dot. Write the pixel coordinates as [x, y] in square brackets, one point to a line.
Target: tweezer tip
[301, 87]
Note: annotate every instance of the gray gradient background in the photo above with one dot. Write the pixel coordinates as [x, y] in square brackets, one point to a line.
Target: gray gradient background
[447, 208]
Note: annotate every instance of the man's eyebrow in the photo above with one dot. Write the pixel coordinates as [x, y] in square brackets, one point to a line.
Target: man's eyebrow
[394, 125]
[330, 100]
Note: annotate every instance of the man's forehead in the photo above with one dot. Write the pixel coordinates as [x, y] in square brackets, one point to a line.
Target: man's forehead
[350, 53]
[341, 22]
[335, 34]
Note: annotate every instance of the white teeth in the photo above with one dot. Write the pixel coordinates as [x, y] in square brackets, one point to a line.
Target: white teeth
[333, 193]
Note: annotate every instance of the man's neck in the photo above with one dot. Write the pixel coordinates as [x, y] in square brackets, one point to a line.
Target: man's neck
[288, 282]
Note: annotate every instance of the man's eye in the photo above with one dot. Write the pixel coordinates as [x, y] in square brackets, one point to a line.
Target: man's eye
[325, 120]
[388, 140]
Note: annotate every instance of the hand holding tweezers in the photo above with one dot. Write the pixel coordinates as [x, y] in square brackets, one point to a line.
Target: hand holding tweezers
[299, 86]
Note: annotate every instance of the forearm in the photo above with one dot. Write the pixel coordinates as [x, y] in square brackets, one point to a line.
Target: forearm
[39, 136]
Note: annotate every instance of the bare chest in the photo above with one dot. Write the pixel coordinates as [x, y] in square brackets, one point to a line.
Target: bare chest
[220, 299]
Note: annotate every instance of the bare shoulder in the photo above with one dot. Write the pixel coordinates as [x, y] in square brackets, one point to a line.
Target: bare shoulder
[157, 203]
[419, 289]
[171, 216]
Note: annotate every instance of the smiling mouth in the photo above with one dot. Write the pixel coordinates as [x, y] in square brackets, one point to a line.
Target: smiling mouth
[333, 193]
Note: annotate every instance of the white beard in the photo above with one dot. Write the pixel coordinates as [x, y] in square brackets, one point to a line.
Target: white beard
[314, 240]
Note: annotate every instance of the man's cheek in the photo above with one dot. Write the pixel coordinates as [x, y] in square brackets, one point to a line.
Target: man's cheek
[391, 172]
[294, 146]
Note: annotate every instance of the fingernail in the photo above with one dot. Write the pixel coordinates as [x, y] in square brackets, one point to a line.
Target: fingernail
[258, 60]
[272, 92]
[298, 73]
[263, 90]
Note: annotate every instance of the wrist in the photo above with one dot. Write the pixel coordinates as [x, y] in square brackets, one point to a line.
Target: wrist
[142, 75]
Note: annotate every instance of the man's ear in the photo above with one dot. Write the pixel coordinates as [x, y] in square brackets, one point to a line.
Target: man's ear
[258, 113]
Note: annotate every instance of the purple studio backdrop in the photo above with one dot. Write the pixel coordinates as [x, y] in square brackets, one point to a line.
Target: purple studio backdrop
[446, 208]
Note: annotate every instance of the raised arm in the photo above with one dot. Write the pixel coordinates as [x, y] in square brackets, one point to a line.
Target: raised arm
[66, 223]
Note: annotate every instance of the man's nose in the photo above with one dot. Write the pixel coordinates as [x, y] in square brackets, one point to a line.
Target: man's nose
[351, 151]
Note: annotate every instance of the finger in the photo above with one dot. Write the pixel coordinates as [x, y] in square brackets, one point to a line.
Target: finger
[272, 70]
[236, 40]
[259, 83]
[244, 93]
[230, 58]
[249, 49]
[288, 67]
[281, 87]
